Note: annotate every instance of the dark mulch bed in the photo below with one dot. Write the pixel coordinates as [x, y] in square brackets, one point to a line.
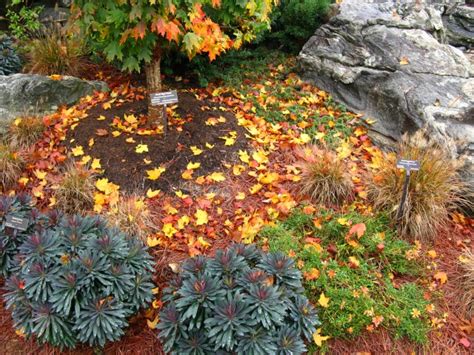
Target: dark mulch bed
[123, 166]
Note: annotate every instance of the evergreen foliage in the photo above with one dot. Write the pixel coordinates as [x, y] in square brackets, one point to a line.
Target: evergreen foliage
[10, 62]
[77, 281]
[241, 301]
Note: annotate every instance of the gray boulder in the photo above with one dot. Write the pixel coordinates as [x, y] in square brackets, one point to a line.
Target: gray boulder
[385, 59]
[459, 23]
[29, 93]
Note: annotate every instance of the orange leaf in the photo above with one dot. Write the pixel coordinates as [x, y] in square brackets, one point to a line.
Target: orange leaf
[358, 229]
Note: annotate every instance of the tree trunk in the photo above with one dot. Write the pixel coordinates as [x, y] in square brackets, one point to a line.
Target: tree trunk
[153, 85]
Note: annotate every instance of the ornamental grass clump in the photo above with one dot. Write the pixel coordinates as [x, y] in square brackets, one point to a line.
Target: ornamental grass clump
[434, 191]
[75, 191]
[54, 51]
[11, 166]
[132, 216]
[241, 301]
[25, 131]
[467, 265]
[325, 177]
[78, 283]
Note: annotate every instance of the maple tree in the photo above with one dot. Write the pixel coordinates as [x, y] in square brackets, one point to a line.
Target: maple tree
[136, 32]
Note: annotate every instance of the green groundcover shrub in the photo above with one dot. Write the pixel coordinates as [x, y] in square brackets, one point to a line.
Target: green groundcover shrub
[241, 301]
[73, 279]
[359, 265]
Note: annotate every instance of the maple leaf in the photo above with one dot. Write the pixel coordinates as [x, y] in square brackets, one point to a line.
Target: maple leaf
[441, 277]
[187, 174]
[153, 242]
[193, 166]
[192, 43]
[183, 221]
[152, 324]
[203, 242]
[141, 148]
[358, 229]
[201, 217]
[169, 230]
[217, 177]
[152, 193]
[96, 164]
[260, 157]
[195, 150]
[318, 338]
[312, 274]
[77, 151]
[244, 156]
[101, 118]
[155, 173]
[323, 301]
[131, 119]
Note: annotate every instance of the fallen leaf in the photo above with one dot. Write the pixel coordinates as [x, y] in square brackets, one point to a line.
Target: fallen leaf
[323, 301]
[201, 217]
[318, 338]
[155, 173]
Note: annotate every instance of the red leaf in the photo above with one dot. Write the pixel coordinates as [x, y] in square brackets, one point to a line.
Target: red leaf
[466, 343]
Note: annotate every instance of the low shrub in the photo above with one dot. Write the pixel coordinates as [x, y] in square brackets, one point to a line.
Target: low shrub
[23, 19]
[11, 166]
[10, 62]
[467, 265]
[240, 301]
[324, 176]
[19, 206]
[433, 193]
[54, 51]
[25, 131]
[294, 22]
[356, 269]
[78, 283]
[75, 191]
[131, 216]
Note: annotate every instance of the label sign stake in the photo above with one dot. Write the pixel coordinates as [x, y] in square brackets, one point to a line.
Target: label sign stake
[17, 223]
[408, 166]
[164, 99]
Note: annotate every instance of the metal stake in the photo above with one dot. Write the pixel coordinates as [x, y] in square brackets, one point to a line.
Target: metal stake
[165, 120]
[404, 194]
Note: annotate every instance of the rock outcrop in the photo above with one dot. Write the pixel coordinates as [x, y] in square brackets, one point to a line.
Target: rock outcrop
[28, 93]
[386, 59]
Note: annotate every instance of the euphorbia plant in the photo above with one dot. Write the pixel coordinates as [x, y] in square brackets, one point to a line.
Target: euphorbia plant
[136, 32]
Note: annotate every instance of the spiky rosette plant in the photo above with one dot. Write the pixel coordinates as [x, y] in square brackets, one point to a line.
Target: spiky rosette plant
[241, 301]
[10, 62]
[19, 206]
[78, 282]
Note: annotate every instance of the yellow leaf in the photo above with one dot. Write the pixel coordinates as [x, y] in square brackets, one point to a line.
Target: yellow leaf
[260, 157]
[155, 173]
[183, 221]
[217, 177]
[320, 135]
[77, 151]
[85, 159]
[195, 150]
[107, 106]
[318, 338]
[152, 193]
[209, 146]
[441, 277]
[244, 156]
[323, 301]
[155, 290]
[432, 254]
[153, 242]
[152, 324]
[305, 138]
[203, 243]
[238, 169]
[255, 188]
[101, 118]
[96, 164]
[116, 133]
[240, 196]
[146, 161]
[91, 142]
[193, 166]
[187, 174]
[169, 230]
[40, 174]
[201, 217]
[343, 222]
[102, 184]
[130, 140]
[141, 148]
[404, 61]
[130, 119]
[268, 178]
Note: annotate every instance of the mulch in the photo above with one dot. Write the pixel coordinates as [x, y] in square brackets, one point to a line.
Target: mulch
[123, 166]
